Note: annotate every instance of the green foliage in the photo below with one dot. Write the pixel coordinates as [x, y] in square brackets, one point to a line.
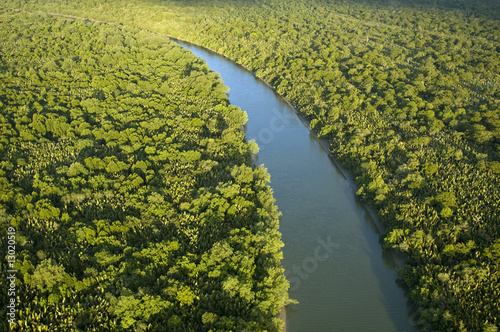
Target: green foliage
[122, 165]
[47, 274]
[406, 92]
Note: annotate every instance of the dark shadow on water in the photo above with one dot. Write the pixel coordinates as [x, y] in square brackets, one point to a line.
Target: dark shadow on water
[388, 258]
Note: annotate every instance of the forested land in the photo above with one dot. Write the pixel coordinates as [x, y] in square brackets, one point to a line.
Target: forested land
[407, 93]
[129, 183]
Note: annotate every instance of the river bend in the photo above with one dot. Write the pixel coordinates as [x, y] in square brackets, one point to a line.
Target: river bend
[333, 259]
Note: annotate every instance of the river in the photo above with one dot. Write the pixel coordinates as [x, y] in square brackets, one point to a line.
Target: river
[338, 271]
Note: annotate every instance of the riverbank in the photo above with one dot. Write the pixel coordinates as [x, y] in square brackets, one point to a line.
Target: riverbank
[289, 187]
[324, 142]
[399, 259]
[282, 316]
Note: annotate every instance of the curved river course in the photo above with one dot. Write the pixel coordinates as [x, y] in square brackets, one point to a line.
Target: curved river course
[333, 259]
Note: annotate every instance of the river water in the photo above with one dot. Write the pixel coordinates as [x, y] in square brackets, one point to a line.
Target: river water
[333, 259]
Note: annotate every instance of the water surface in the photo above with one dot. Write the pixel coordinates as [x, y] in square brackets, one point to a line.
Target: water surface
[337, 269]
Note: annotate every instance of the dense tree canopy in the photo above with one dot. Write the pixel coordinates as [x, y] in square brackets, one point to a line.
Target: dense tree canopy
[128, 180]
[407, 92]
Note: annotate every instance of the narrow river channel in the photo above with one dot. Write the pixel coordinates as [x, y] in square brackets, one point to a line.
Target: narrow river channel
[337, 269]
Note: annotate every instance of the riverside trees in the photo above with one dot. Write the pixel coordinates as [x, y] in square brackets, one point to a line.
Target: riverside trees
[407, 94]
[132, 208]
